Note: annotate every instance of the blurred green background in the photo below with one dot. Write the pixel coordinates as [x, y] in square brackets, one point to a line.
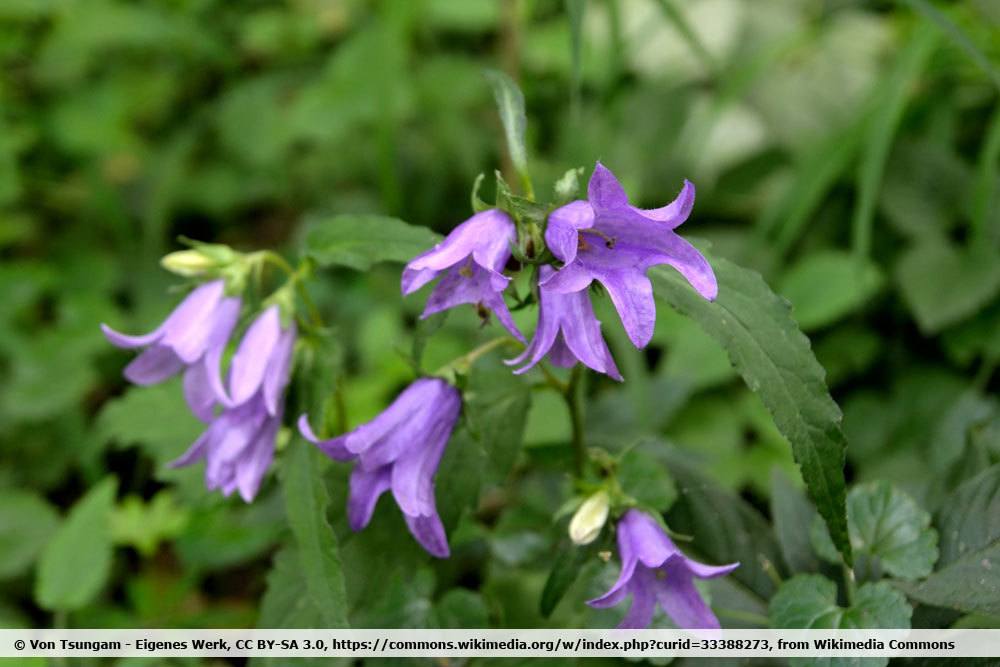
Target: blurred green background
[847, 150]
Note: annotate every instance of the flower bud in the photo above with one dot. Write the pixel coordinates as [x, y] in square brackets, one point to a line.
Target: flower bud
[589, 519]
[188, 263]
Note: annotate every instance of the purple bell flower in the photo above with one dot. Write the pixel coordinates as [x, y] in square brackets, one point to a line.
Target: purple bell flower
[400, 451]
[609, 240]
[192, 338]
[568, 332]
[238, 445]
[654, 570]
[474, 255]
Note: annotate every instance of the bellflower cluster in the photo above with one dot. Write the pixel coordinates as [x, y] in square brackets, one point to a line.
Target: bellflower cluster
[655, 571]
[400, 451]
[243, 420]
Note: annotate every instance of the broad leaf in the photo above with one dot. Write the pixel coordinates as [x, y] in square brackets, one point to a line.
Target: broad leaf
[792, 515]
[888, 526]
[75, 565]
[766, 347]
[496, 410]
[647, 480]
[969, 521]
[825, 286]
[809, 601]
[287, 603]
[566, 566]
[27, 522]
[306, 503]
[461, 608]
[359, 241]
[943, 284]
[724, 526]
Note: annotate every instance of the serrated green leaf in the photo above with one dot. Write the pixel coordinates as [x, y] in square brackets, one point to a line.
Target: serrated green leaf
[969, 521]
[77, 561]
[888, 526]
[359, 241]
[461, 608]
[766, 347]
[306, 503]
[144, 525]
[809, 601]
[943, 284]
[827, 285]
[27, 522]
[287, 602]
[496, 410]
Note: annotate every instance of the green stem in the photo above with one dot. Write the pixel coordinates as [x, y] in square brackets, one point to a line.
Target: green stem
[464, 362]
[849, 583]
[574, 400]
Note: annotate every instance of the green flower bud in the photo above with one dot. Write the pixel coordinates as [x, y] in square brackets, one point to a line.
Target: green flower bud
[188, 263]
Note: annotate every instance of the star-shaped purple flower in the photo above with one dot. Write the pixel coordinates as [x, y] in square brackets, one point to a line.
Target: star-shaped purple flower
[192, 339]
[400, 451]
[654, 570]
[568, 332]
[474, 255]
[238, 445]
[607, 239]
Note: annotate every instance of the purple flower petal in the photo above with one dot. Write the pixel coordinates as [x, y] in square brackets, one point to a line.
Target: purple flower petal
[251, 467]
[470, 284]
[190, 326]
[703, 571]
[621, 587]
[562, 233]
[640, 614]
[130, 342]
[485, 237]
[681, 600]
[198, 391]
[276, 374]
[604, 190]
[676, 212]
[252, 356]
[632, 294]
[649, 543]
[366, 488]
[334, 447]
[429, 532]
[154, 365]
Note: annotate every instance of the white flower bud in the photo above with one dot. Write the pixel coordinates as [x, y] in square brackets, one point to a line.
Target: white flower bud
[188, 263]
[589, 518]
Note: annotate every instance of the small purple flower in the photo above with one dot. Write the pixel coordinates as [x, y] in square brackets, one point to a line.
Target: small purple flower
[568, 332]
[399, 450]
[238, 445]
[192, 338]
[474, 255]
[608, 240]
[654, 570]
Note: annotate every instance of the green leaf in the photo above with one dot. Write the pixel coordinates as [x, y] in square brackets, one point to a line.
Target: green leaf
[825, 286]
[27, 522]
[359, 241]
[969, 521]
[461, 608]
[809, 601]
[647, 480]
[566, 567]
[943, 283]
[77, 561]
[306, 503]
[496, 410]
[724, 526]
[766, 347]
[287, 602]
[792, 515]
[888, 526]
[510, 105]
[144, 525]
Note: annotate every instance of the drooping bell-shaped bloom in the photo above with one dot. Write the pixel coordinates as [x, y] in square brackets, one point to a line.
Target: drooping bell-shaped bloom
[655, 571]
[238, 445]
[568, 332]
[400, 451]
[473, 257]
[192, 339]
[607, 239]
